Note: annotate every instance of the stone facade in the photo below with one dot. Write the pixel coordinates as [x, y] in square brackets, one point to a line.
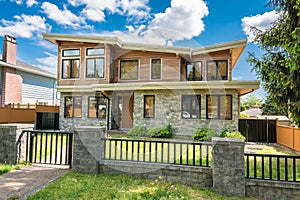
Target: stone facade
[68, 124]
[9, 134]
[168, 110]
[228, 166]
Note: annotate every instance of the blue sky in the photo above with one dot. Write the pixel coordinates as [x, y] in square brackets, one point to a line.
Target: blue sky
[193, 23]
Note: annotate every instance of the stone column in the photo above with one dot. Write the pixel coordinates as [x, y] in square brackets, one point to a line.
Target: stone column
[87, 149]
[228, 166]
[9, 134]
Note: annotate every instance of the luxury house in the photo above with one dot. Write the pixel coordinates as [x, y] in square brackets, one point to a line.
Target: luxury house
[103, 80]
[21, 83]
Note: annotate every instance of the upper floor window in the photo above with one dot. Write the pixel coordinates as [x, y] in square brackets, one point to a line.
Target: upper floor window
[97, 107]
[190, 106]
[217, 70]
[95, 67]
[70, 63]
[129, 69]
[219, 107]
[194, 71]
[149, 106]
[155, 68]
[73, 107]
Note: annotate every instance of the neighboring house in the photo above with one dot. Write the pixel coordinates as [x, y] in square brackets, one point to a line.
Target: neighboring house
[22, 83]
[103, 80]
[252, 112]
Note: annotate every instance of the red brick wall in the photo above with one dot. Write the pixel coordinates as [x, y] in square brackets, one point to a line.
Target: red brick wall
[11, 86]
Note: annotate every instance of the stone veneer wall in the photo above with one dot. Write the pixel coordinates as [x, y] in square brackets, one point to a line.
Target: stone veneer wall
[187, 175]
[9, 134]
[168, 110]
[68, 124]
[265, 189]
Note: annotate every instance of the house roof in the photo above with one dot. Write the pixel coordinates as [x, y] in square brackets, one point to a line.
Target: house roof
[243, 87]
[28, 68]
[252, 112]
[236, 47]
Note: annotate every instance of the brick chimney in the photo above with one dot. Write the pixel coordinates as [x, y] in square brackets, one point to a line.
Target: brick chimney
[9, 54]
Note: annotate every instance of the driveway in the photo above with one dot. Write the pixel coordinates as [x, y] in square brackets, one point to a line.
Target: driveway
[28, 180]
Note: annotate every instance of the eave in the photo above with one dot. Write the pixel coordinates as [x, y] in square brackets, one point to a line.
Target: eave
[243, 87]
[4, 64]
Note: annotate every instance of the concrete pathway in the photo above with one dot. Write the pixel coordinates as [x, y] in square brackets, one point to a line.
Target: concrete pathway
[28, 180]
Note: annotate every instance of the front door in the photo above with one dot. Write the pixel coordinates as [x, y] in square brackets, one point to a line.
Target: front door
[127, 112]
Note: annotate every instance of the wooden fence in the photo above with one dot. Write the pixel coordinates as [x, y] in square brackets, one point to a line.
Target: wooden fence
[17, 113]
[288, 136]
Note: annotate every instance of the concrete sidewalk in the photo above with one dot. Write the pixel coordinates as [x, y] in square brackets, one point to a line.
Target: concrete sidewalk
[28, 180]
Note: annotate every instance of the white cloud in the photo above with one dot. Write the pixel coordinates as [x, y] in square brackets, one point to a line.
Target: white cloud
[25, 26]
[30, 3]
[94, 9]
[64, 17]
[262, 22]
[183, 20]
[48, 63]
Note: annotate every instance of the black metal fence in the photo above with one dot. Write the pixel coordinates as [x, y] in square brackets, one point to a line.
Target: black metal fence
[258, 130]
[47, 147]
[171, 152]
[47, 121]
[272, 167]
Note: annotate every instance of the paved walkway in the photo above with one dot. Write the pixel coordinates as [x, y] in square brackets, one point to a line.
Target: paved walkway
[28, 180]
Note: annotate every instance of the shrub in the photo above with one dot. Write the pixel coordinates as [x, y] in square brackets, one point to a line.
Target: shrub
[138, 131]
[232, 134]
[161, 132]
[245, 116]
[204, 134]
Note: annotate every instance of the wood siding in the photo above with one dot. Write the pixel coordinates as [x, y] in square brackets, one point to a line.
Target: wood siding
[173, 66]
[170, 66]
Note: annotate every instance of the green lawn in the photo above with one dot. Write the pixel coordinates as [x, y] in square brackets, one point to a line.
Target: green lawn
[6, 168]
[83, 186]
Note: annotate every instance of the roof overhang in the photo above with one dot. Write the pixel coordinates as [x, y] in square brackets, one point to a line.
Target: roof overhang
[4, 64]
[236, 47]
[243, 87]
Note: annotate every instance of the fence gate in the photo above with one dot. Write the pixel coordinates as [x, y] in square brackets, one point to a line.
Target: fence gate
[258, 130]
[47, 147]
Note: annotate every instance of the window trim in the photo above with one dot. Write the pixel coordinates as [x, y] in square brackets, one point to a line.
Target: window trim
[217, 71]
[219, 106]
[63, 50]
[97, 104]
[86, 65]
[73, 99]
[62, 68]
[186, 71]
[198, 96]
[94, 55]
[120, 69]
[151, 71]
[144, 108]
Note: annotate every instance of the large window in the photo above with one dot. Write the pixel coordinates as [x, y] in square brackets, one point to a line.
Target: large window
[149, 106]
[70, 63]
[194, 71]
[217, 70]
[95, 65]
[129, 69]
[97, 107]
[155, 68]
[73, 107]
[219, 107]
[191, 106]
